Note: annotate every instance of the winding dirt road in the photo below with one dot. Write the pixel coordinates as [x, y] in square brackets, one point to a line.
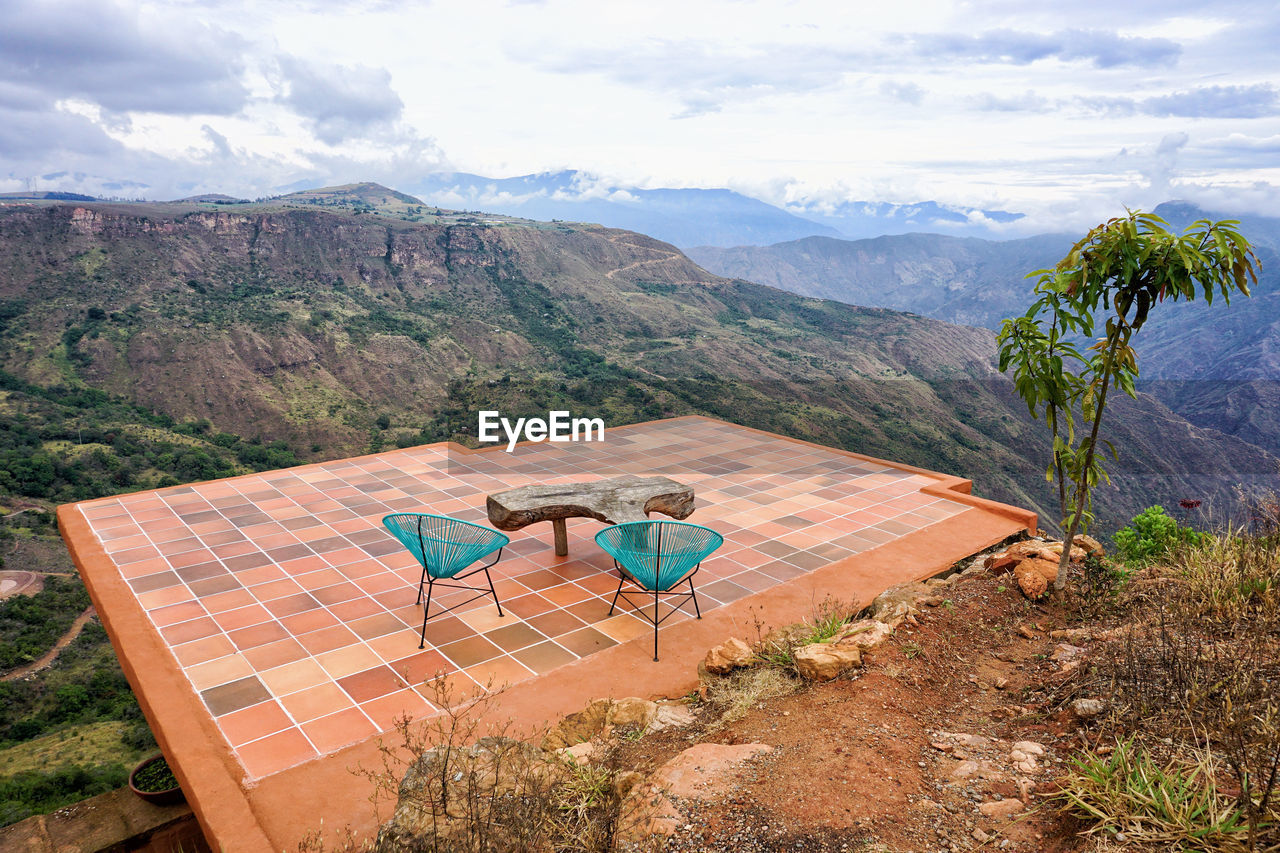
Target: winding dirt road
[50, 656]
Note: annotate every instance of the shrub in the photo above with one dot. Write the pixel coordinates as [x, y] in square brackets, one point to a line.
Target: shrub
[1153, 534]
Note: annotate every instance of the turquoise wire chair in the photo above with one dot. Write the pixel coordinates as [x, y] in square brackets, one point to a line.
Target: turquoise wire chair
[445, 546]
[658, 556]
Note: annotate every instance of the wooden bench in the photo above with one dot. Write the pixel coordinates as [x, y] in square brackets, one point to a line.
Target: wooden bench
[613, 501]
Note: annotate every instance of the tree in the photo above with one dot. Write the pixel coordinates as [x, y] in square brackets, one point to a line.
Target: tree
[1119, 271]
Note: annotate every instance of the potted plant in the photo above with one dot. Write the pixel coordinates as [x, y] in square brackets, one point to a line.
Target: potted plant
[154, 782]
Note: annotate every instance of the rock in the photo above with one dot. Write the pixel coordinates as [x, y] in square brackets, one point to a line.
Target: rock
[1031, 582]
[1001, 809]
[1066, 652]
[580, 753]
[699, 772]
[727, 656]
[1048, 569]
[1077, 554]
[671, 717]
[587, 724]
[632, 711]
[645, 813]
[898, 602]
[1030, 747]
[1087, 709]
[1089, 544]
[625, 781]
[865, 634]
[824, 661]
[1002, 562]
[705, 770]
[980, 836]
[493, 766]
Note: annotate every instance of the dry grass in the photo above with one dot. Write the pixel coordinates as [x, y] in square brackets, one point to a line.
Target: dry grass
[1199, 671]
[740, 691]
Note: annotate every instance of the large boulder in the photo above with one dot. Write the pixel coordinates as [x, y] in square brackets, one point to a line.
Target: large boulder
[826, 661]
[727, 656]
[698, 773]
[432, 808]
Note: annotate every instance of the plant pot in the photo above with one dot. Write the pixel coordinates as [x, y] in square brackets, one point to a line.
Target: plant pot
[168, 796]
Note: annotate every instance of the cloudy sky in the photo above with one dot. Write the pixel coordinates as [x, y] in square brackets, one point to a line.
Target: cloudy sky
[1065, 111]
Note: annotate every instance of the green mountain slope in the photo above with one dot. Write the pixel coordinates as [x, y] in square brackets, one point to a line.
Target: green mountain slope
[337, 332]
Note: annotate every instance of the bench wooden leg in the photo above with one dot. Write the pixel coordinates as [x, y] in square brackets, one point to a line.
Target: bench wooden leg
[562, 537]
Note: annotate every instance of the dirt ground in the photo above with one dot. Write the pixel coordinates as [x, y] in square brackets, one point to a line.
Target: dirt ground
[900, 756]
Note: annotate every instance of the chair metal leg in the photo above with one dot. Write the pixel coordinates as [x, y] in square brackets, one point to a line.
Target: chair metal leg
[694, 593]
[421, 581]
[655, 626]
[493, 591]
[614, 603]
[426, 611]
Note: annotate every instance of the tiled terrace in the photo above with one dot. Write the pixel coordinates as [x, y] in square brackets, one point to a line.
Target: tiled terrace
[285, 613]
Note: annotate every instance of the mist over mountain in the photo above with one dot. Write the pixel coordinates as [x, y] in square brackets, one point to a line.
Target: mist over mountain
[336, 326]
[694, 217]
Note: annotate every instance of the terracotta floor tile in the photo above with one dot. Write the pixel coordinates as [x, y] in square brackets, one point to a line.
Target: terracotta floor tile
[206, 649]
[233, 620]
[336, 593]
[158, 598]
[555, 623]
[292, 677]
[313, 702]
[447, 629]
[261, 634]
[174, 613]
[337, 730]
[376, 625]
[421, 666]
[234, 695]
[347, 661]
[514, 636]
[566, 594]
[256, 721]
[624, 626]
[498, 672]
[372, 683]
[469, 651]
[230, 600]
[185, 632]
[274, 753]
[585, 641]
[356, 608]
[275, 654]
[385, 710]
[591, 611]
[291, 605]
[218, 671]
[327, 639]
[544, 657]
[486, 618]
[308, 620]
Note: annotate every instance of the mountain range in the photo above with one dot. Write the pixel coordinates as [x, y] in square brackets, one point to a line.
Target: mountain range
[1219, 365]
[343, 320]
[695, 217]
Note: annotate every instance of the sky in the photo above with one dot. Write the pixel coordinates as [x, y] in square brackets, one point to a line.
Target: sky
[1064, 111]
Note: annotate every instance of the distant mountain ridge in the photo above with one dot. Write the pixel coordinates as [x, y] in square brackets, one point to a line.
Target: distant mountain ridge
[693, 217]
[1218, 366]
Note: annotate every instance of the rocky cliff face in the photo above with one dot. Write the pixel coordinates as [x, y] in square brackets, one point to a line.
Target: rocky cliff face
[337, 330]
